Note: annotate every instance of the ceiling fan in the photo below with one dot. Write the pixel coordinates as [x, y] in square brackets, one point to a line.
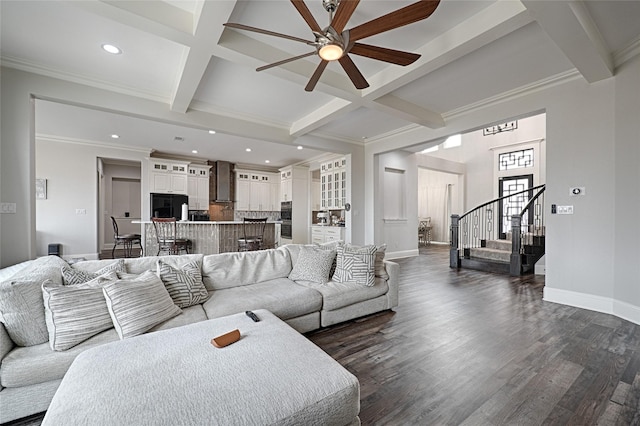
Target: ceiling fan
[334, 43]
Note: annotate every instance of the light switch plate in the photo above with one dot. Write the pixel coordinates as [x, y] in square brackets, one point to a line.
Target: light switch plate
[565, 209]
[9, 208]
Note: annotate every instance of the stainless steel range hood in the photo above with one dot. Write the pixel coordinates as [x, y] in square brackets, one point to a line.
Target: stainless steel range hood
[223, 181]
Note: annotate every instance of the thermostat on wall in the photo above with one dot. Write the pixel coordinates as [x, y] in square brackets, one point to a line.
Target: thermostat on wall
[576, 190]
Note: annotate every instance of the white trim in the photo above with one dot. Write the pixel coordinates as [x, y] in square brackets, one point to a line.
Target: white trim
[87, 142]
[592, 302]
[401, 254]
[532, 141]
[395, 220]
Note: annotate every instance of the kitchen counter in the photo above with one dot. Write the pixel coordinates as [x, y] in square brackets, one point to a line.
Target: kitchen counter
[210, 237]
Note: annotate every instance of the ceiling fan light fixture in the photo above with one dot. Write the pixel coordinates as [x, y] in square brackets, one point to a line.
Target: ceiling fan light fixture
[331, 52]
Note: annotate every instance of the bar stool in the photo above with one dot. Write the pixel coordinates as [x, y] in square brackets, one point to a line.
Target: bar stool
[253, 230]
[127, 240]
[166, 236]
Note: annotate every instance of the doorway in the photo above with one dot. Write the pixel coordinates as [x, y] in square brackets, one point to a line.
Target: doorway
[439, 195]
[513, 205]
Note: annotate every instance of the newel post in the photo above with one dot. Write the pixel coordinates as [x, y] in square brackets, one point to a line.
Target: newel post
[454, 257]
[516, 245]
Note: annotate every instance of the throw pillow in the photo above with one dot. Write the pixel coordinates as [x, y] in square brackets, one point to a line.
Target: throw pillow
[381, 270]
[331, 245]
[21, 305]
[313, 264]
[75, 313]
[184, 285]
[72, 276]
[356, 264]
[138, 305]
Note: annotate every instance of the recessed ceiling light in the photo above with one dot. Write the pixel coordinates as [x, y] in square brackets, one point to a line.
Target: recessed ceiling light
[114, 136]
[212, 132]
[299, 146]
[267, 161]
[195, 151]
[248, 149]
[114, 50]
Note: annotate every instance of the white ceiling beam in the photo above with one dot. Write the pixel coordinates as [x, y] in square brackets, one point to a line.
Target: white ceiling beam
[572, 29]
[160, 12]
[329, 111]
[206, 36]
[408, 111]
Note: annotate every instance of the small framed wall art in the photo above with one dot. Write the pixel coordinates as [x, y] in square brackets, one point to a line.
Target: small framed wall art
[41, 189]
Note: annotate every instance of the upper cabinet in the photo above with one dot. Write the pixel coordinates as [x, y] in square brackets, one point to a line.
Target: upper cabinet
[257, 191]
[198, 187]
[168, 177]
[333, 184]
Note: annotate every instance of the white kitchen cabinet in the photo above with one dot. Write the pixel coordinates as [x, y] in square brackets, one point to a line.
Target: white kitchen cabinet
[168, 177]
[198, 187]
[255, 191]
[333, 184]
[326, 234]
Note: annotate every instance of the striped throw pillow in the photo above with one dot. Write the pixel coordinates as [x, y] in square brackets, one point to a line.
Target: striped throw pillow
[77, 312]
[138, 305]
[72, 276]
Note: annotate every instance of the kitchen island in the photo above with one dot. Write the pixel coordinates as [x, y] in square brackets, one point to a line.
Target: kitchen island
[208, 237]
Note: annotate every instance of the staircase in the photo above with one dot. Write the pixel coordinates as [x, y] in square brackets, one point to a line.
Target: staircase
[475, 243]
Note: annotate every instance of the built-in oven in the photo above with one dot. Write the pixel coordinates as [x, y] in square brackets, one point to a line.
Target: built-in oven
[285, 216]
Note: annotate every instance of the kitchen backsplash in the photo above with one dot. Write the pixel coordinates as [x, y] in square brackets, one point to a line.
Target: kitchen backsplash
[239, 215]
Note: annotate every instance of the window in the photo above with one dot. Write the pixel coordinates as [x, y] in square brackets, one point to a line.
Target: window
[515, 159]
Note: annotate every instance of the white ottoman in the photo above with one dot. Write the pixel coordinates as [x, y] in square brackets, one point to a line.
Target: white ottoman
[272, 375]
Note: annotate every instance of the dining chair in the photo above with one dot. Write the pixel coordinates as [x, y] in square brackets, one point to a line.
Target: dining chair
[126, 240]
[253, 231]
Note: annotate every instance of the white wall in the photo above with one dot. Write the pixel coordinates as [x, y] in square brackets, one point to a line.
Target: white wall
[71, 170]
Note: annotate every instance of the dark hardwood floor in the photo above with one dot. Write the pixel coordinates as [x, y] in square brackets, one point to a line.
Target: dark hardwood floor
[475, 348]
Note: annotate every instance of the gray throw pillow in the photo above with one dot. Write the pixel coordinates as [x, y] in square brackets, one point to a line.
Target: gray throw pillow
[356, 264]
[21, 304]
[381, 270]
[75, 313]
[72, 276]
[184, 285]
[138, 305]
[313, 264]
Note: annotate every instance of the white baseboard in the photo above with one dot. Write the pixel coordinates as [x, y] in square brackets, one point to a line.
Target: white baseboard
[602, 304]
[399, 254]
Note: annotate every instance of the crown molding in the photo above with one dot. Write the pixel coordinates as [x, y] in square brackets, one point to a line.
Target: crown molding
[23, 65]
[509, 95]
[86, 142]
[626, 53]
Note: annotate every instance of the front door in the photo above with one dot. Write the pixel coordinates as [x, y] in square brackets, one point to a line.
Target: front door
[513, 205]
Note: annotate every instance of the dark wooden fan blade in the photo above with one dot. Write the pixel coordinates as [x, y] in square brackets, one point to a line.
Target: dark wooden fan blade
[284, 61]
[267, 32]
[306, 15]
[407, 15]
[316, 76]
[353, 72]
[392, 56]
[343, 14]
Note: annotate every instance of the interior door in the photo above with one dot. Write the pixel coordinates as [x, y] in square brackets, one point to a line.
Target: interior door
[513, 205]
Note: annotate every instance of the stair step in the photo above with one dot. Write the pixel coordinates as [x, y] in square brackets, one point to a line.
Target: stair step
[491, 254]
[503, 245]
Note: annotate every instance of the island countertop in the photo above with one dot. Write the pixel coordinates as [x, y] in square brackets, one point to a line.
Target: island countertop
[208, 237]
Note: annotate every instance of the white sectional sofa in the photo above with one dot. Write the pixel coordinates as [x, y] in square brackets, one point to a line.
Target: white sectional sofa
[235, 282]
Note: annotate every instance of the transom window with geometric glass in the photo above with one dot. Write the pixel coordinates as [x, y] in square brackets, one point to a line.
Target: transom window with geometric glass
[515, 159]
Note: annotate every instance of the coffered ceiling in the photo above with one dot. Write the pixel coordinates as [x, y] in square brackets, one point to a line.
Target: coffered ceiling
[179, 54]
